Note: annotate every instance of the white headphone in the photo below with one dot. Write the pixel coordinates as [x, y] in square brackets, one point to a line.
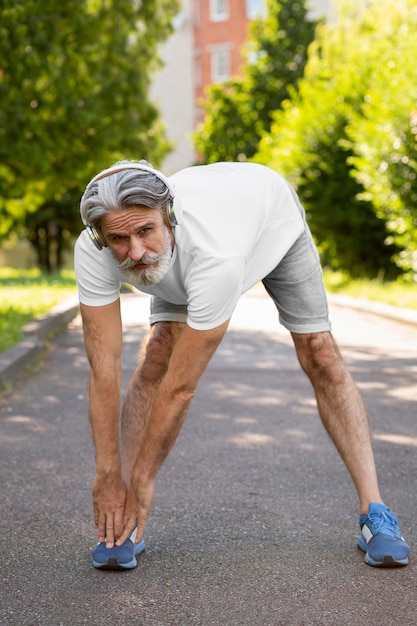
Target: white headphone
[92, 231]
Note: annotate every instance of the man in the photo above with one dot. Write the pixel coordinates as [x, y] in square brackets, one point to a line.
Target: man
[196, 242]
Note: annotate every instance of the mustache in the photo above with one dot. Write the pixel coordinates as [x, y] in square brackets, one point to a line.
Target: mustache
[147, 259]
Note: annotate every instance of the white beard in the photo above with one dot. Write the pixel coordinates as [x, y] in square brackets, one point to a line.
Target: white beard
[152, 274]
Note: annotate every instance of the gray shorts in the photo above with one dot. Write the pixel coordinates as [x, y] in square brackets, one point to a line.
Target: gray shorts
[295, 285]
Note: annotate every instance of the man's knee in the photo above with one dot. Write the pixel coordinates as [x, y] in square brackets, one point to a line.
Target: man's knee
[319, 355]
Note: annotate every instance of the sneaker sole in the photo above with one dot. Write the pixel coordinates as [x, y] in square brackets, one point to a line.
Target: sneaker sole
[387, 562]
[114, 564]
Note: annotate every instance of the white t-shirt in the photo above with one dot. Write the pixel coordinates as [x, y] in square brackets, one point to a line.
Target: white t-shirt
[237, 222]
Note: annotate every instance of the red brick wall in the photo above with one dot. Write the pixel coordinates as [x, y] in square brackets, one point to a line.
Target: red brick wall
[207, 33]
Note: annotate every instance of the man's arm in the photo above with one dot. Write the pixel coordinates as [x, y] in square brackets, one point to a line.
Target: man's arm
[103, 340]
[189, 358]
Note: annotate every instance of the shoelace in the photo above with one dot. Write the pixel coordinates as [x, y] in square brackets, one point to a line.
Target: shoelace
[387, 521]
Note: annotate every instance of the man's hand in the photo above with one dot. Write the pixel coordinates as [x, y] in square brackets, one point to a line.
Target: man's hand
[109, 497]
[138, 504]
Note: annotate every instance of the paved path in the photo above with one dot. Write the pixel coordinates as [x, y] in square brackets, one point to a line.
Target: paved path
[255, 518]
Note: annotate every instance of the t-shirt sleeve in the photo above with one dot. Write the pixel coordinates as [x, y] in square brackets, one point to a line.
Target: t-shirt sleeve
[213, 292]
[97, 279]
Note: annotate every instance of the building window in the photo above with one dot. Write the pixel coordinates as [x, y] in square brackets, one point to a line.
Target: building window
[255, 8]
[219, 10]
[220, 63]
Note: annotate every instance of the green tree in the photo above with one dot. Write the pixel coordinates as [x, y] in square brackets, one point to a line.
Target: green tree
[383, 134]
[74, 80]
[314, 143]
[239, 111]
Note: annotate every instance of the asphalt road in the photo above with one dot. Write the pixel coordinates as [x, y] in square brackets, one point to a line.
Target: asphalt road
[255, 519]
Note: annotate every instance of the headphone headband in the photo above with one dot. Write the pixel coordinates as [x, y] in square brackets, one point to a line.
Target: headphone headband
[114, 169]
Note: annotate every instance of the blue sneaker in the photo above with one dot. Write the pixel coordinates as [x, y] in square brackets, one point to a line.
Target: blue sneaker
[119, 557]
[381, 538]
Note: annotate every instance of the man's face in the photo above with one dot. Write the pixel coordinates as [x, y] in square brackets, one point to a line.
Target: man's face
[140, 242]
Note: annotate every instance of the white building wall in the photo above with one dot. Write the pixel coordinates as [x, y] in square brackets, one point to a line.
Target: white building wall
[173, 92]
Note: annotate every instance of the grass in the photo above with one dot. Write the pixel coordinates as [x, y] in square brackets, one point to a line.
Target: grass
[395, 293]
[26, 294]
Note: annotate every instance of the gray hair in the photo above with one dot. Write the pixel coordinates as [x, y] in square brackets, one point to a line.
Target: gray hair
[122, 190]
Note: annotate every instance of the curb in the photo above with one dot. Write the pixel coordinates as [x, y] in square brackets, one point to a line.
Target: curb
[36, 334]
[398, 314]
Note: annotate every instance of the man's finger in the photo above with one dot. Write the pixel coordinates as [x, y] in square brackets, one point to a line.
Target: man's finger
[118, 522]
[129, 525]
[96, 516]
[101, 526]
[109, 531]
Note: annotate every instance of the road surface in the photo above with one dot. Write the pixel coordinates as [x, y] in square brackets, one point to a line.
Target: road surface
[255, 518]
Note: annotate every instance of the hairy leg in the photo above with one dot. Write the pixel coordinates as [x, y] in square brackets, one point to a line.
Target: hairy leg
[341, 409]
[152, 365]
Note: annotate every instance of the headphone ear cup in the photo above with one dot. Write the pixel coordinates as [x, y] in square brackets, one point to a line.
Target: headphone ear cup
[174, 211]
[171, 213]
[95, 237]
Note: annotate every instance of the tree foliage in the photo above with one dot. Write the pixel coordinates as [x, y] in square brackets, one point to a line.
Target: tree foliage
[383, 133]
[238, 111]
[337, 135]
[74, 80]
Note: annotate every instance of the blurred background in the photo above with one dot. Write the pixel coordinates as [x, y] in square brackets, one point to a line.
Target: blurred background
[323, 92]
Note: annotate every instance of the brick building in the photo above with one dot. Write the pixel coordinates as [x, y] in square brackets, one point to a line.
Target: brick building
[220, 28]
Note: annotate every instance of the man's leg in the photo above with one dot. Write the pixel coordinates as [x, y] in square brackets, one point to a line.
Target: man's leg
[152, 365]
[296, 286]
[341, 409]
[344, 416]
